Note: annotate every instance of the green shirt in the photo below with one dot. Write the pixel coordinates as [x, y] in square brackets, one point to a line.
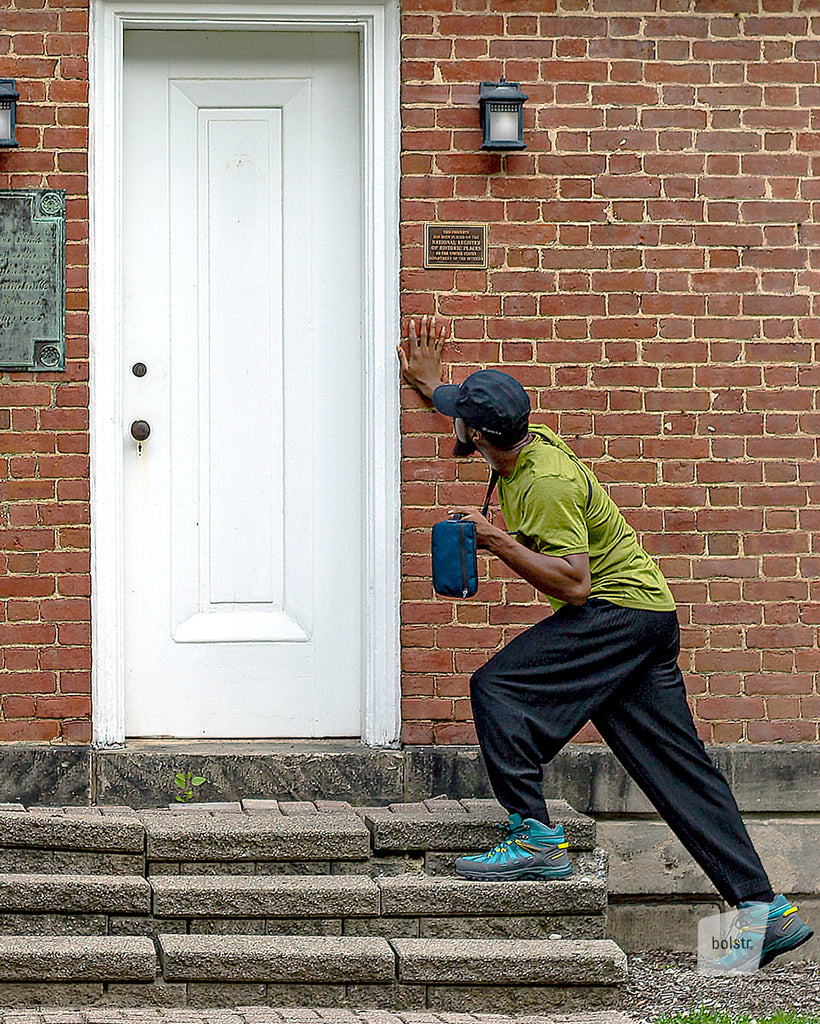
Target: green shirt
[554, 505]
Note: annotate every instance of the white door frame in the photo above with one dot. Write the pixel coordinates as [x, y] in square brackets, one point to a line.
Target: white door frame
[377, 24]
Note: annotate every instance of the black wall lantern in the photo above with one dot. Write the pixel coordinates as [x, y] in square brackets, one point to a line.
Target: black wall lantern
[502, 115]
[8, 112]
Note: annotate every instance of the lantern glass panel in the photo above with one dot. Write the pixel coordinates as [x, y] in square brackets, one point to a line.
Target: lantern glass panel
[5, 122]
[503, 122]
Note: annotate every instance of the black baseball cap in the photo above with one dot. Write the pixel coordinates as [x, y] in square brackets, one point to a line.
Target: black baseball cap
[492, 401]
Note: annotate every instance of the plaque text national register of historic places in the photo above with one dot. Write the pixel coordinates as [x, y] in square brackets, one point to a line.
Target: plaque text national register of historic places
[32, 279]
[455, 245]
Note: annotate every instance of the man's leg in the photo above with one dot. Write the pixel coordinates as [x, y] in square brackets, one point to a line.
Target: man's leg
[648, 725]
[537, 692]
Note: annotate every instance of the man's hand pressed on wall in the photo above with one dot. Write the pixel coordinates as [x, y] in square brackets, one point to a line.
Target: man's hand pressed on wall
[421, 363]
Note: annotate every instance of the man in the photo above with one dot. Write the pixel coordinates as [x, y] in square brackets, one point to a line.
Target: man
[608, 654]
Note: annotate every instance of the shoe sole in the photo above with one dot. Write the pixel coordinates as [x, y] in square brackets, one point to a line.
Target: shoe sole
[519, 875]
[770, 954]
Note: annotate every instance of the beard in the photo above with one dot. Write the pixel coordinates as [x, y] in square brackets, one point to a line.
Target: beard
[463, 449]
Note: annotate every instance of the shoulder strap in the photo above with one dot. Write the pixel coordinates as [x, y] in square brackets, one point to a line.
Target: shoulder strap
[490, 489]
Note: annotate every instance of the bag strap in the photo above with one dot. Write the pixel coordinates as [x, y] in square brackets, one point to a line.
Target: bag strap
[490, 489]
[494, 476]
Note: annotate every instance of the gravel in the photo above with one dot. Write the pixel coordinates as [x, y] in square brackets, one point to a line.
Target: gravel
[663, 982]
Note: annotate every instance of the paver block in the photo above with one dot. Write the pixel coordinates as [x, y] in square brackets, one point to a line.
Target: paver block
[140, 995]
[294, 807]
[75, 862]
[265, 896]
[89, 894]
[389, 997]
[516, 1000]
[385, 927]
[266, 806]
[510, 962]
[21, 994]
[54, 924]
[255, 837]
[203, 807]
[564, 926]
[275, 958]
[208, 993]
[425, 895]
[78, 958]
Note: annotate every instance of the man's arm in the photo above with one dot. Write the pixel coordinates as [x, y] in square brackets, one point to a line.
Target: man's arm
[421, 364]
[565, 578]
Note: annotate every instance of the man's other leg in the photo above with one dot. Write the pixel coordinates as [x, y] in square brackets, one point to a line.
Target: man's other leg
[539, 690]
[649, 727]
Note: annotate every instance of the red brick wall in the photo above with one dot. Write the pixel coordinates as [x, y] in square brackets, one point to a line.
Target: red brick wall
[44, 515]
[653, 264]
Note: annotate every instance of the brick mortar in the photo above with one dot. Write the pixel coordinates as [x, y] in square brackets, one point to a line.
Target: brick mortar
[651, 281]
[653, 268]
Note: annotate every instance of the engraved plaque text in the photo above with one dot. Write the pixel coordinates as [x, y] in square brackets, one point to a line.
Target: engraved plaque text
[455, 245]
[32, 279]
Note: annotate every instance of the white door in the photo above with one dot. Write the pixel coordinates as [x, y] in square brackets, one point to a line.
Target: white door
[243, 300]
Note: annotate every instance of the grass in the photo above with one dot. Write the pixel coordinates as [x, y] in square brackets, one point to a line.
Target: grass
[709, 1015]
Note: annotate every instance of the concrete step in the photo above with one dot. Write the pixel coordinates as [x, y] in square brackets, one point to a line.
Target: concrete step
[461, 825]
[260, 837]
[488, 974]
[80, 958]
[267, 896]
[86, 894]
[276, 958]
[63, 904]
[392, 906]
[87, 840]
[355, 972]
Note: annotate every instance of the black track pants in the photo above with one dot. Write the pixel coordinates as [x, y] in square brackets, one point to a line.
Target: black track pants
[618, 667]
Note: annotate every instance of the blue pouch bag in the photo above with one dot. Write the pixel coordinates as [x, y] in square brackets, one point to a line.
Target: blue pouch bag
[454, 550]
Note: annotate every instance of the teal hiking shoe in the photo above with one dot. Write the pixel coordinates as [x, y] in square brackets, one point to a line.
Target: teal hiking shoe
[780, 927]
[531, 850]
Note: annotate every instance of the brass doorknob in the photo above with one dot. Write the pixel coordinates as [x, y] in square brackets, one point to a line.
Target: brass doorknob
[140, 430]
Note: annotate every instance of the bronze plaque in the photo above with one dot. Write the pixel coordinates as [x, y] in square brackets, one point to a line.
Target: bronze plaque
[32, 279]
[455, 245]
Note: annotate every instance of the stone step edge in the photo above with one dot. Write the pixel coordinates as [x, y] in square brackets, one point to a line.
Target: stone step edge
[397, 826]
[301, 962]
[329, 959]
[77, 958]
[408, 895]
[74, 893]
[314, 959]
[298, 896]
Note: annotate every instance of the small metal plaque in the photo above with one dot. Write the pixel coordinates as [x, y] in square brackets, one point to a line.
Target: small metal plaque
[32, 279]
[455, 245]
